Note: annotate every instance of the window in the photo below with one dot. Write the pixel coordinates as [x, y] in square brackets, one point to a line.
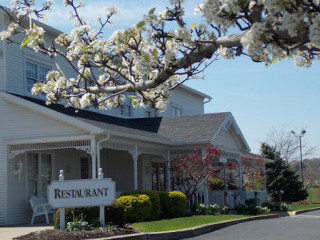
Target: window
[159, 176]
[39, 174]
[35, 73]
[150, 112]
[126, 108]
[84, 168]
[176, 111]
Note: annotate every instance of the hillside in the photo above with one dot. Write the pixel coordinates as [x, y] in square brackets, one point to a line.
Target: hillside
[311, 171]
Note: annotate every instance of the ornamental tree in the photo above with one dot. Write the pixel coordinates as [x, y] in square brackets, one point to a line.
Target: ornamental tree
[253, 173]
[191, 171]
[163, 50]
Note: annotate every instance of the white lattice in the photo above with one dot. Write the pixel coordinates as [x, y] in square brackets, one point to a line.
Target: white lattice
[83, 145]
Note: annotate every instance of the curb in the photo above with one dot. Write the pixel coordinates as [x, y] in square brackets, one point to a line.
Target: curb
[303, 211]
[189, 232]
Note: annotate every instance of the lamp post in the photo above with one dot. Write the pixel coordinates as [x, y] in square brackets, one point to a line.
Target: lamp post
[300, 136]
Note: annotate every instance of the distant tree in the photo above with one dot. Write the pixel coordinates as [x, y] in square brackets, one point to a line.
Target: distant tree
[281, 176]
[287, 144]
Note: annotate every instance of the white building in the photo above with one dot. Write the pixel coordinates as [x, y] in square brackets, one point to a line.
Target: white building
[132, 146]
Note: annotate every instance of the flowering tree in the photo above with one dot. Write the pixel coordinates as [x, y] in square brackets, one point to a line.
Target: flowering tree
[252, 173]
[191, 171]
[163, 49]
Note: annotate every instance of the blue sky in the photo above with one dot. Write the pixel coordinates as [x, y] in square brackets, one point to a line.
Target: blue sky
[260, 98]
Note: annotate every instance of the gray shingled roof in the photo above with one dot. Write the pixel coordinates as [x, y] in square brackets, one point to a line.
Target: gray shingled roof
[125, 130]
[192, 128]
[188, 128]
[177, 129]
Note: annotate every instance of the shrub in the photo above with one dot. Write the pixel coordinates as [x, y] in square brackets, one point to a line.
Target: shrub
[137, 207]
[154, 198]
[304, 202]
[276, 206]
[115, 214]
[173, 204]
[78, 224]
[213, 209]
[253, 207]
[89, 214]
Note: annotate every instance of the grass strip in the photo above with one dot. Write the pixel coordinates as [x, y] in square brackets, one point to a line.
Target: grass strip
[303, 207]
[183, 222]
[315, 195]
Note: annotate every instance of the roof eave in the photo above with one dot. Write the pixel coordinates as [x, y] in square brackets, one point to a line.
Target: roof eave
[51, 113]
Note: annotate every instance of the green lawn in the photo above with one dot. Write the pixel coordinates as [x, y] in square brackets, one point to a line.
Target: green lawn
[182, 223]
[302, 207]
[315, 195]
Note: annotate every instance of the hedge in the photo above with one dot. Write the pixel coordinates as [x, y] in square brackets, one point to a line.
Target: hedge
[173, 204]
[154, 198]
[137, 207]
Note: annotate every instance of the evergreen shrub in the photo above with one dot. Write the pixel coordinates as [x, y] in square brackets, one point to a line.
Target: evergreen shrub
[115, 214]
[154, 198]
[137, 207]
[173, 204]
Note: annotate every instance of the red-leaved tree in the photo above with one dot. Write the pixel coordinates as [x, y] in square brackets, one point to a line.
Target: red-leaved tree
[191, 171]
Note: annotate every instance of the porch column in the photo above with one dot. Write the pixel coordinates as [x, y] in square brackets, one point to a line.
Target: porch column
[240, 174]
[93, 144]
[168, 171]
[242, 196]
[135, 167]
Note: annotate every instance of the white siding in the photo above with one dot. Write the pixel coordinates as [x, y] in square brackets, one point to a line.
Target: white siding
[189, 102]
[19, 123]
[227, 140]
[2, 43]
[2, 183]
[18, 210]
[118, 165]
[1, 70]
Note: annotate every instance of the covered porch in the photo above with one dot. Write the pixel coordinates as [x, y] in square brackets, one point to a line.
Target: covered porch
[32, 164]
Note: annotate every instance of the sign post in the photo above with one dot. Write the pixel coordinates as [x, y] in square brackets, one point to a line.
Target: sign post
[62, 212]
[102, 218]
[81, 193]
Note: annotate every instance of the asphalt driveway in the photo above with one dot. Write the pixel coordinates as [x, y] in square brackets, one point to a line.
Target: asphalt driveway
[305, 226]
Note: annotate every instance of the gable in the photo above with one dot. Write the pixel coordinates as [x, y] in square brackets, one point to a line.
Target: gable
[229, 140]
[18, 122]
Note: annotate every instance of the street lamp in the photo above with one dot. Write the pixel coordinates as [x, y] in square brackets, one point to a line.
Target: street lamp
[300, 136]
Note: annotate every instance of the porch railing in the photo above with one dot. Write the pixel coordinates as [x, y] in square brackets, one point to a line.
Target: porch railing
[196, 198]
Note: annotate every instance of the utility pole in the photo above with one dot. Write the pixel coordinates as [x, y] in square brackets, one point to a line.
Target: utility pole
[300, 136]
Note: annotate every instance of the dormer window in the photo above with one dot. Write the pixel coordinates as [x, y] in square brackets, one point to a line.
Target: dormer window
[35, 73]
[126, 109]
[151, 112]
[176, 111]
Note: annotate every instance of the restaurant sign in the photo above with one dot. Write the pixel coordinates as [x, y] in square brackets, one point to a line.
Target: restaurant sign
[81, 193]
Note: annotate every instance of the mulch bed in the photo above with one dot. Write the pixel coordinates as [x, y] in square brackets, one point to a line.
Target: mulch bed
[56, 234]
